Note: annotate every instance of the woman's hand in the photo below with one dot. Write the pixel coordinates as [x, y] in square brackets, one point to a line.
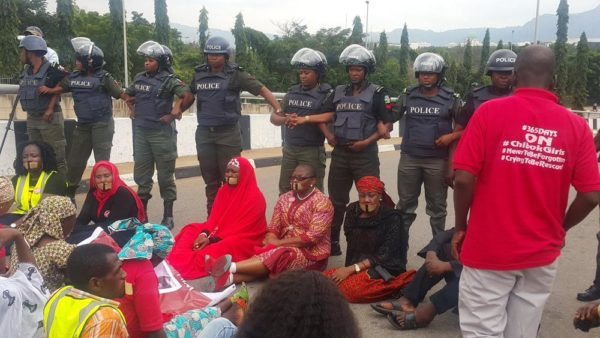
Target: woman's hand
[342, 273]
[200, 242]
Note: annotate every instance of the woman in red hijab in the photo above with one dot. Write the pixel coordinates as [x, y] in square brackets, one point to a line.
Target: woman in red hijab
[108, 200]
[236, 224]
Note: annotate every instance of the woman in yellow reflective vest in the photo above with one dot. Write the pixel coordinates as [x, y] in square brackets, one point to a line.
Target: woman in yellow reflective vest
[36, 177]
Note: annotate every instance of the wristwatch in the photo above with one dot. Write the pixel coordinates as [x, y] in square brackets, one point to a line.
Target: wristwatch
[356, 268]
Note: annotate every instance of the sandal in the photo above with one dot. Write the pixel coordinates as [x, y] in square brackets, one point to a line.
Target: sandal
[242, 297]
[396, 306]
[410, 321]
[216, 284]
[217, 267]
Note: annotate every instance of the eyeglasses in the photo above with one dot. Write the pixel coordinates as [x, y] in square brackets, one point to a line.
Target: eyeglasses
[300, 178]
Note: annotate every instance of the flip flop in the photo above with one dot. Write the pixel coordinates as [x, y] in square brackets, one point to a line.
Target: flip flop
[218, 267]
[216, 284]
[410, 321]
[396, 306]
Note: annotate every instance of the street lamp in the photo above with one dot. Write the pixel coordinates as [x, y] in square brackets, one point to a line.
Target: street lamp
[367, 25]
[125, 47]
[537, 14]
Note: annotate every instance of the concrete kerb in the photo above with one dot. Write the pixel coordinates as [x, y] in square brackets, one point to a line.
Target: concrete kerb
[187, 171]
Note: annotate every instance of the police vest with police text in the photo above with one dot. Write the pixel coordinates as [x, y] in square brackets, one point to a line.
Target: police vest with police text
[216, 103]
[426, 119]
[26, 196]
[32, 102]
[354, 119]
[66, 315]
[151, 100]
[92, 103]
[304, 103]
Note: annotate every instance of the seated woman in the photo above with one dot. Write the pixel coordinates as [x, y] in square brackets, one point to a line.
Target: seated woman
[375, 256]
[45, 228]
[298, 236]
[141, 304]
[236, 224]
[108, 200]
[36, 177]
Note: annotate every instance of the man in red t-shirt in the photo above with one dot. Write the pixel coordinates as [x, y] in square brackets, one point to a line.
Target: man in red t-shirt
[514, 168]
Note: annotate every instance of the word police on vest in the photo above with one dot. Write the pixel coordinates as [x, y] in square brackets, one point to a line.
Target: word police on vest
[209, 86]
[81, 84]
[143, 87]
[424, 110]
[28, 82]
[300, 103]
[349, 106]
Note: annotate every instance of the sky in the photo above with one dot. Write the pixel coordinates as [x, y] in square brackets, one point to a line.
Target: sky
[267, 15]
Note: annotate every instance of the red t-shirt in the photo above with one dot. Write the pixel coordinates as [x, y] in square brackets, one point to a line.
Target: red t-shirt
[526, 151]
[141, 304]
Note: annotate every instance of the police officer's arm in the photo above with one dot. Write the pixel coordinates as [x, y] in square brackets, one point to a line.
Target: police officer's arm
[49, 114]
[249, 83]
[446, 140]
[278, 118]
[324, 117]
[597, 141]
[130, 101]
[114, 89]
[268, 96]
[183, 93]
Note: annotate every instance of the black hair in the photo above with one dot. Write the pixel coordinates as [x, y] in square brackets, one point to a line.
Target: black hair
[46, 151]
[88, 261]
[309, 168]
[299, 304]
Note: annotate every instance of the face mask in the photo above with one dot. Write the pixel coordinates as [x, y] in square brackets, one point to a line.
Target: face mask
[297, 186]
[368, 208]
[231, 181]
[30, 165]
[106, 186]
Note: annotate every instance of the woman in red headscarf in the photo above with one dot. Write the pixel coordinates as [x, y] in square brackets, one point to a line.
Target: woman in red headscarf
[108, 200]
[375, 265]
[236, 224]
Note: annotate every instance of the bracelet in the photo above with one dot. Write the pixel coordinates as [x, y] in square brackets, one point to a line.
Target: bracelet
[204, 234]
[356, 268]
[307, 117]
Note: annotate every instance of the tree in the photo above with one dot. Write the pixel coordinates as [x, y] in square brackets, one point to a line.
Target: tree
[357, 32]
[64, 16]
[161, 22]
[579, 91]
[465, 77]
[203, 27]
[560, 49]
[381, 51]
[114, 51]
[404, 54]
[9, 23]
[241, 42]
[485, 54]
[500, 45]
[593, 85]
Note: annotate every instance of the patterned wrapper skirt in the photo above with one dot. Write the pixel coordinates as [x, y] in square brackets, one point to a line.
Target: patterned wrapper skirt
[360, 288]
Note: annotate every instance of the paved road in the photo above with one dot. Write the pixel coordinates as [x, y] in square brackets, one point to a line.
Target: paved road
[576, 266]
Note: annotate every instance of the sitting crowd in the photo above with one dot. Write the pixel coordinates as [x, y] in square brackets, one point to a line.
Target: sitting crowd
[97, 270]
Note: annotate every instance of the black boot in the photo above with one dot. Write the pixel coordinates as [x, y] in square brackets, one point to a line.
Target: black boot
[168, 215]
[145, 204]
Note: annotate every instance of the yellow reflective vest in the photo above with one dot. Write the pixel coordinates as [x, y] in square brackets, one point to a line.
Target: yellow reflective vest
[66, 313]
[26, 196]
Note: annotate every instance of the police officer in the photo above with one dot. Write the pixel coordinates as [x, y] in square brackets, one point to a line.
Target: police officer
[307, 107]
[92, 89]
[429, 109]
[45, 120]
[217, 85]
[155, 136]
[359, 111]
[51, 55]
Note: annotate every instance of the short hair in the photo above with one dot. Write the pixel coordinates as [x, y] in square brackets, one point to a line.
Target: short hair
[311, 170]
[299, 304]
[46, 151]
[88, 261]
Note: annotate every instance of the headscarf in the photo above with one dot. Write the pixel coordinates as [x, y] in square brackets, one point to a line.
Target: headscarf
[373, 184]
[6, 190]
[103, 196]
[240, 209]
[45, 219]
[149, 239]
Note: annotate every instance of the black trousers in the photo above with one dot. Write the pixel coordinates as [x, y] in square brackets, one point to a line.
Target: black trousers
[443, 300]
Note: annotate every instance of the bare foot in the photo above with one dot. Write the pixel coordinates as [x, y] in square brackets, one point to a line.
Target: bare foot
[405, 305]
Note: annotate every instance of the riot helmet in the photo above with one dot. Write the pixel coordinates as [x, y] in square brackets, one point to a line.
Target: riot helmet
[34, 43]
[170, 59]
[502, 60]
[307, 58]
[86, 52]
[154, 50]
[429, 63]
[357, 55]
[218, 45]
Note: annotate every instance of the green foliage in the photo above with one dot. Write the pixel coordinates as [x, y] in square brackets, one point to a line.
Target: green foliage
[578, 87]
[161, 22]
[386, 75]
[560, 50]
[465, 77]
[485, 54]
[202, 28]
[404, 58]
[357, 32]
[64, 19]
[381, 50]
[593, 83]
[500, 45]
[9, 23]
